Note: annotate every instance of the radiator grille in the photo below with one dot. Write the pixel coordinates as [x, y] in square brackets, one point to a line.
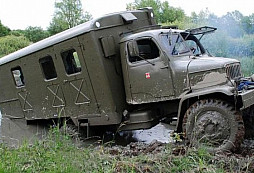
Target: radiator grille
[233, 70]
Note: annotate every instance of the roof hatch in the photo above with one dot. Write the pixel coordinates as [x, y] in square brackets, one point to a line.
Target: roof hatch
[128, 17]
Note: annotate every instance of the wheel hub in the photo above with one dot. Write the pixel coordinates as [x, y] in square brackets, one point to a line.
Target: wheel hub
[211, 127]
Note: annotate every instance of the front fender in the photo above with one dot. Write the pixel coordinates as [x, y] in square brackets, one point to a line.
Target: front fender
[226, 91]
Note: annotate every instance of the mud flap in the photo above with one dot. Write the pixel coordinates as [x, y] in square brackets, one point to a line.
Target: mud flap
[14, 132]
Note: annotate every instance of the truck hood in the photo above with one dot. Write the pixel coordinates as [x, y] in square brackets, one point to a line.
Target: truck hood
[208, 71]
[205, 63]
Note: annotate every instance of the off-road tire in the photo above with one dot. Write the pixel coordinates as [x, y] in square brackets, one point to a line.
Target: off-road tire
[214, 124]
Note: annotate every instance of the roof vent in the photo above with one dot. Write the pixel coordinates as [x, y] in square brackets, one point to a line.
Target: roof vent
[128, 17]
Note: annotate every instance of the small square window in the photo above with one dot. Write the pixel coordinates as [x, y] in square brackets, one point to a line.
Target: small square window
[71, 61]
[48, 68]
[18, 76]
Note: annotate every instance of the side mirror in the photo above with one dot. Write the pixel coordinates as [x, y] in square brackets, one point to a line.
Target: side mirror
[133, 48]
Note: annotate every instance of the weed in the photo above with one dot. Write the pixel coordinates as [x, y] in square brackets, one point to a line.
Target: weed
[57, 153]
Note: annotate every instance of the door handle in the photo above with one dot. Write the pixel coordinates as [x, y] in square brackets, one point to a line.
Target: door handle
[164, 67]
[65, 81]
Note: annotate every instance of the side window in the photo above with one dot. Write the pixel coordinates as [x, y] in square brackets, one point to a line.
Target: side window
[147, 50]
[18, 76]
[48, 68]
[71, 61]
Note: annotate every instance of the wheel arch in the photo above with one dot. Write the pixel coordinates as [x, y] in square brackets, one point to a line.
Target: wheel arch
[191, 98]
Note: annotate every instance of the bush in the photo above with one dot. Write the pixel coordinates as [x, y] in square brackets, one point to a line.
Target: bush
[11, 43]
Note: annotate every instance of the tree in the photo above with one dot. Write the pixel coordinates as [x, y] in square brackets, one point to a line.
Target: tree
[163, 12]
[247, 24]
[3, 30]
[68, 13]
[35, 34]
[170, 14]
[231, 23]
[11, 43]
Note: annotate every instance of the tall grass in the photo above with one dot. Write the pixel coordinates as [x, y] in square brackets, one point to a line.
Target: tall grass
[57, 153]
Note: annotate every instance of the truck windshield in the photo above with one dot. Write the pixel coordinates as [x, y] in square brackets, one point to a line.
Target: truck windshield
[178, 44]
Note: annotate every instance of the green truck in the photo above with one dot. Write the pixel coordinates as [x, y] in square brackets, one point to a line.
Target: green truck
[122, 71]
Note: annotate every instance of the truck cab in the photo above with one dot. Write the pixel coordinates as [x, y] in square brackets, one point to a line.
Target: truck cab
[170, 70]
[163, 64]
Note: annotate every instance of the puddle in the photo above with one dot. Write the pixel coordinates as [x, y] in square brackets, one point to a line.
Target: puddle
[161, 132]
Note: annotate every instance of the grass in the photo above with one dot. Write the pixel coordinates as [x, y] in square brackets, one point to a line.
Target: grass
[57, 153]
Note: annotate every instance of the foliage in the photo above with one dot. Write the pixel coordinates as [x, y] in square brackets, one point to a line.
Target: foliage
[17, 32]
[3, 30]
[247, 64]
[170, 14]
[57, 153]
[163, 12]
[68, 13]
[11, 43]
[35, 34]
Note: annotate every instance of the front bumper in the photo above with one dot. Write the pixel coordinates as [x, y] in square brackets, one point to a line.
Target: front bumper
[247, 98]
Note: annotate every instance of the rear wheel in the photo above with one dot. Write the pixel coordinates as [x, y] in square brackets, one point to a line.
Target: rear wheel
[214, 124]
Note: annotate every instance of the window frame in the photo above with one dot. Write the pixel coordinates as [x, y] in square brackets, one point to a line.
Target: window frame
[21, 77]
[78, 66]
[141, 62]
[42, 68]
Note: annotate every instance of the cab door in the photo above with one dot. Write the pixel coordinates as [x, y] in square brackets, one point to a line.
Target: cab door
[79, 98]
[148, 73]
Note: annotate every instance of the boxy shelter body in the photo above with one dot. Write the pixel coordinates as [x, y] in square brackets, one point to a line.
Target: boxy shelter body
[76, 73]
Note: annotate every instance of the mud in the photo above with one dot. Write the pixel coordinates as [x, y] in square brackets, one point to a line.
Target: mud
[126, 143]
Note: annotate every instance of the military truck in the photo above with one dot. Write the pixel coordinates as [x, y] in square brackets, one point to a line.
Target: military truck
[122, 71]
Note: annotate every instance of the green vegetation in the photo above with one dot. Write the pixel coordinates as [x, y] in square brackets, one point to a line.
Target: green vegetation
[3, 30]
[57, 153]
[68, 13]
[11, 43]
[164, 13]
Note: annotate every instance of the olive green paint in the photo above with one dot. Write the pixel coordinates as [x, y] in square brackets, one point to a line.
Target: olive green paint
[106, 87]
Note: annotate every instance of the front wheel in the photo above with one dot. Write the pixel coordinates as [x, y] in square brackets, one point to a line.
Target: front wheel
[214, 124]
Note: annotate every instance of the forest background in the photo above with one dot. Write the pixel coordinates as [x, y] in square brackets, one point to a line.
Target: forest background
[234, 37]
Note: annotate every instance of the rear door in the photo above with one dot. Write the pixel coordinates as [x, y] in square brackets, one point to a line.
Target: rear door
[79, 98]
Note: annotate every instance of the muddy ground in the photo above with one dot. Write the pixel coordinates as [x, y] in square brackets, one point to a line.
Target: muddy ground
[154, 141]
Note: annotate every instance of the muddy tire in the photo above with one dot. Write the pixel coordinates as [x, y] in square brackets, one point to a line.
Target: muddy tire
[214, 124]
